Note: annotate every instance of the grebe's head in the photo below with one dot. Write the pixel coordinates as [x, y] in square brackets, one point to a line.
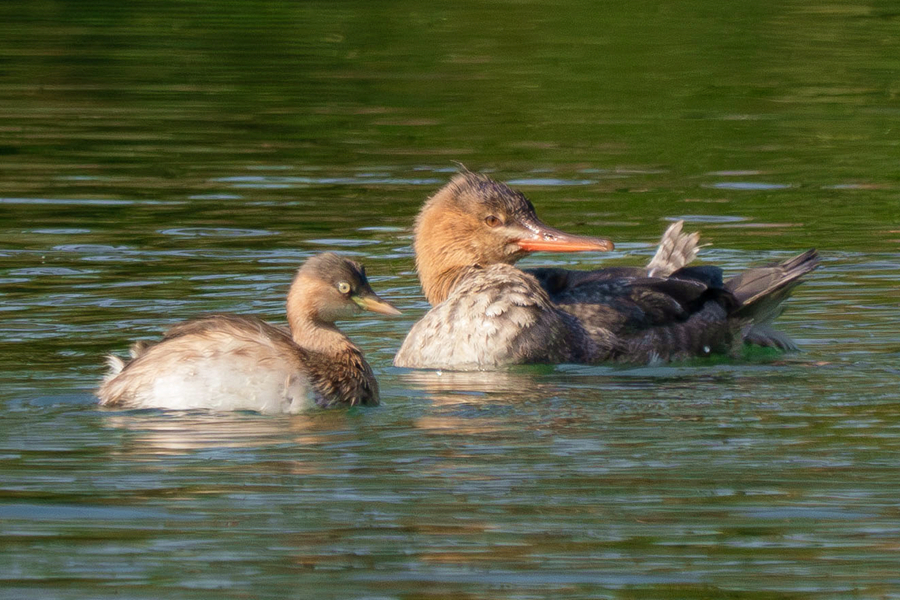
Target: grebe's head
[331, 287]
[474, 220]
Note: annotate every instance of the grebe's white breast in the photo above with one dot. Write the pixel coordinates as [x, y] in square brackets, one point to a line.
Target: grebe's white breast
[243, 369]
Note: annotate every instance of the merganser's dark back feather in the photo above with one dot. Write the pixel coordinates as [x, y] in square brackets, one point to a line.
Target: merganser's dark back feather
[689, 313]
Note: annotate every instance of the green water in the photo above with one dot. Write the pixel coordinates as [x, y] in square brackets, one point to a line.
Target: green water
[164, 159]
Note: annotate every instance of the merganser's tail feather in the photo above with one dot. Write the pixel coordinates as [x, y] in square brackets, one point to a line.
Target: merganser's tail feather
[676, 250]
[761, 293]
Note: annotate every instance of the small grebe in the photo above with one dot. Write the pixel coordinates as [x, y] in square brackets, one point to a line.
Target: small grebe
[488, 314]
[233, 362]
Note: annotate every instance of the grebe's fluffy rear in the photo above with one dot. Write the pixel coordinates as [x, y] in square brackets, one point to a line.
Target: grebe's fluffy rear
[233, 362]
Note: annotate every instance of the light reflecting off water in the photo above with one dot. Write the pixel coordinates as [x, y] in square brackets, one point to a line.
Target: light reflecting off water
[163, 160]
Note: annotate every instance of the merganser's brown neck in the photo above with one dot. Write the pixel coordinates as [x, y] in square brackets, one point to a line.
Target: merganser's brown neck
[473, 222]
[447, 248]
[437, 286]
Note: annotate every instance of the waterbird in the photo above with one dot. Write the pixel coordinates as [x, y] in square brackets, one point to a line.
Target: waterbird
[487, 314]
[234, 362]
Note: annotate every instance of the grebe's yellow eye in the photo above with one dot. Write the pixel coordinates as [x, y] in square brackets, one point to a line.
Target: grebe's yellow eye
[344, 287]
[492, 221]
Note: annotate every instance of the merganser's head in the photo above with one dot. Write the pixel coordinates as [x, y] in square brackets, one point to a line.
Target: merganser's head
[474, 220]
[329, 287]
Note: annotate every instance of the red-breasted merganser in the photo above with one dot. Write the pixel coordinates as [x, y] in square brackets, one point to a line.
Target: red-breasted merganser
[488, 314]
[233, 362]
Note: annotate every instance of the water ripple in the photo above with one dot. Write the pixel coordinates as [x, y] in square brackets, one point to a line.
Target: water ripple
[216, 232]
[251, 181]
[550, 181]
[747, 185]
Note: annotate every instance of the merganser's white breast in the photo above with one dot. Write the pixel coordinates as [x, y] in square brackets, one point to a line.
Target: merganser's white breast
[494, 317]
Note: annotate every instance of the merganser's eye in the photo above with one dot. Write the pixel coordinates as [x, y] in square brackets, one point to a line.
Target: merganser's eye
[492, 221]
[344, 287]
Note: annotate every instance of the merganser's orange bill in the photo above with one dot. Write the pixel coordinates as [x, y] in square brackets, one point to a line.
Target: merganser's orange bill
[547, 239]
[599, 245]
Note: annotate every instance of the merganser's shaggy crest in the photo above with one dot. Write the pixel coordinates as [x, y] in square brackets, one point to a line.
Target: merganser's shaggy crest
[488, 314]
[232, 362]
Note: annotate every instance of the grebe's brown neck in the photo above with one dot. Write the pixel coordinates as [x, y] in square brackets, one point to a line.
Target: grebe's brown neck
[336, 366]
[325, 338]
[312, 318]
[326, 289]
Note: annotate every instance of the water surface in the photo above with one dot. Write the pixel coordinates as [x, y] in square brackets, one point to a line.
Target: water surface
[159, 160]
